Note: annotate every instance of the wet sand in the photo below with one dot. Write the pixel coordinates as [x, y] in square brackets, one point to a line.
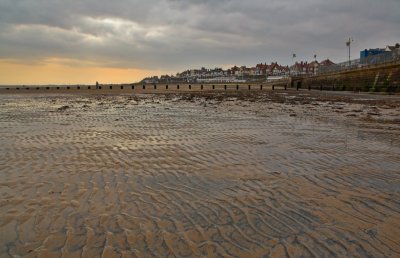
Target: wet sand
[272, 174]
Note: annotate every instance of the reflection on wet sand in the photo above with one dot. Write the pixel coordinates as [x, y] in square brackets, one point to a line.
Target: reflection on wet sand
[156, 176]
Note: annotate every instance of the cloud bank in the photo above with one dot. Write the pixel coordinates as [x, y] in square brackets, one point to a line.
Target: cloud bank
[172, 35]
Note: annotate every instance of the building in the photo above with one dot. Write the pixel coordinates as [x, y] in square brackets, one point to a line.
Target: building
[149, 80]
[261, 69]
[376, 51]
[370, 52]
[394, 49]
[326, 62]
[312, 68]
[277, 70]
[299, 68]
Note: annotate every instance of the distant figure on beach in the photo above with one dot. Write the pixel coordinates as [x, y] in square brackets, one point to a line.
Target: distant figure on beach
[97, 85]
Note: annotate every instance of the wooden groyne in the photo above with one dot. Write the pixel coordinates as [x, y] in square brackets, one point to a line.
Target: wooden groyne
[148, 88]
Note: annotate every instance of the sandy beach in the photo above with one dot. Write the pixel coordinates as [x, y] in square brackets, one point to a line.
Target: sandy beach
[239, 174]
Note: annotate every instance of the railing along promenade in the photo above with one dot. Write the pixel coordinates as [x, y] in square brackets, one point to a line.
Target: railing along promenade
[367, 62]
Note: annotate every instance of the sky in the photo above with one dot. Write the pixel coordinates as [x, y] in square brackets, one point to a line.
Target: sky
[122, 41]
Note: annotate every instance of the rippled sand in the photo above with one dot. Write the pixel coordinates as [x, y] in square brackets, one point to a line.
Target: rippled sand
[157, 176]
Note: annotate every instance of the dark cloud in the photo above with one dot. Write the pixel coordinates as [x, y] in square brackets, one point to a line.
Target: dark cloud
[174, 34]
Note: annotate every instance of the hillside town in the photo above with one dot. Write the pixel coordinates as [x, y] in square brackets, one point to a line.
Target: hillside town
[273, 71]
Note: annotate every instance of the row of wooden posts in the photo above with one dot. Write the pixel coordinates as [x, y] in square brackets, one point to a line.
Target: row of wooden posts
[110, 87]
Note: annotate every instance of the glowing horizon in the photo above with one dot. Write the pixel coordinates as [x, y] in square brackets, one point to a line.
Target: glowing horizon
[12, 73]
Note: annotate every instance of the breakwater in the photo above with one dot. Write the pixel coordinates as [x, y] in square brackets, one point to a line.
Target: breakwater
[147, 88]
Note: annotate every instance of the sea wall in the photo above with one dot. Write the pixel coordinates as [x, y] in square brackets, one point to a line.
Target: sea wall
[379, 78]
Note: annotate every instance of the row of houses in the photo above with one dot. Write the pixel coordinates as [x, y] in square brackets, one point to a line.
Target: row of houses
[240, 74]
[263, 71]
[304, 68]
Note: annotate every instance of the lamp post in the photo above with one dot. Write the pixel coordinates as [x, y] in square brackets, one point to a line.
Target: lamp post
[293, 57]
[348, 43]
[315, 64]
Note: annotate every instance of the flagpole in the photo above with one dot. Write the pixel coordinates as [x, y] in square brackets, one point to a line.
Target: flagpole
[293, 56]
[348, 43]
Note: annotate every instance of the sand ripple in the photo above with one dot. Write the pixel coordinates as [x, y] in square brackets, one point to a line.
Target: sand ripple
[115, 177]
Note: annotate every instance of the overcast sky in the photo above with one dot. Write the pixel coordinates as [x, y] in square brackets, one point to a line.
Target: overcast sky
[157, 36]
